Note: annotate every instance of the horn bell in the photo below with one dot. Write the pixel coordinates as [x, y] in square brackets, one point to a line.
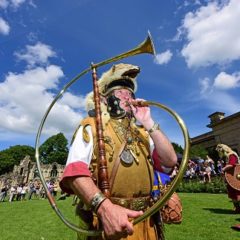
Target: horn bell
[146, 46]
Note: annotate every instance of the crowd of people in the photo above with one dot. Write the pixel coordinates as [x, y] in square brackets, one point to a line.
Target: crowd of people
[21, 192]
[201, 169]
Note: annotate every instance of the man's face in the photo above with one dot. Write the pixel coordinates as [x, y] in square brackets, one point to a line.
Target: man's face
[125, 96]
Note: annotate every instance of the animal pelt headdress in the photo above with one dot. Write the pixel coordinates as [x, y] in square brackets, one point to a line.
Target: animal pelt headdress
[118, 76]
[226, 150]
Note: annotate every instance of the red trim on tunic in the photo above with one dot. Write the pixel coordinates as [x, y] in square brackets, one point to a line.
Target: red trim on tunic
[156, 161]
[76, 169]
[233, 160]
[233, 193]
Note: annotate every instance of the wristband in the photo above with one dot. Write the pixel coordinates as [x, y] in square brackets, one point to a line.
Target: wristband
[154, 127]
[96, 201]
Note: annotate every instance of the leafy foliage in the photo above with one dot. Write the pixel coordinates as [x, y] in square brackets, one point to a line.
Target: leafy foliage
[54, 149]
[13, 155]
[195, 186]
[198, 151]
[178, 148]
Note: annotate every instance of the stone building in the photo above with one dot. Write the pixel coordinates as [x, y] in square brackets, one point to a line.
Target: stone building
[224, 130]
[27, 171]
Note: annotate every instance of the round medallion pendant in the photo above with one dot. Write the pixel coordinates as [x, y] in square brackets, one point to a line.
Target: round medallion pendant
[127, 157]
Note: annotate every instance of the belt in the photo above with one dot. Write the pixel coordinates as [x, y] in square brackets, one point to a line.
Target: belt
[137, 204]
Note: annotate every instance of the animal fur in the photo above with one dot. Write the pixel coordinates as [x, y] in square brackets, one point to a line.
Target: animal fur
[118, 71]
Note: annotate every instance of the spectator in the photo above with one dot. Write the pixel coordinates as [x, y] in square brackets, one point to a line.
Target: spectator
[219, 167]
[37, 188]
[19, 192]
[174, 172]
[13, 193]
[32, 190]
[207, 172]
[23, 192]
[55, 189]
[211, 164]
[3, 193]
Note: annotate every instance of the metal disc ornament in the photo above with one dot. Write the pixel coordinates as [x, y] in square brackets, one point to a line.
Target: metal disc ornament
[233, 177]
[126, 157]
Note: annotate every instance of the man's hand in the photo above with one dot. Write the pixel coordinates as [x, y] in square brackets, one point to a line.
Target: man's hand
[115, 220]
[142, 114]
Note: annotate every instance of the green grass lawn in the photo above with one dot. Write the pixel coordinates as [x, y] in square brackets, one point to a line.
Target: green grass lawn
[205, 216]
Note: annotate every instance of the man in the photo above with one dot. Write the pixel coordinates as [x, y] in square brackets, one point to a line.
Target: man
[132, 152]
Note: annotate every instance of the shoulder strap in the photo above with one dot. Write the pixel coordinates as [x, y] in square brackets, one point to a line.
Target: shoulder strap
[84, 123]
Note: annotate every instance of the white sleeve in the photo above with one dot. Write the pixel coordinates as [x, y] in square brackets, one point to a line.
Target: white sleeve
[151, 143]
[80, 150]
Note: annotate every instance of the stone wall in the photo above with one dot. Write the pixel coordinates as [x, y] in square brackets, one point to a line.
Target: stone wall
[224, 130]
[27, 171]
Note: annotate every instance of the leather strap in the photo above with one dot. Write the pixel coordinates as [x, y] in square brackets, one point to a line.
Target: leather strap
[115, 166]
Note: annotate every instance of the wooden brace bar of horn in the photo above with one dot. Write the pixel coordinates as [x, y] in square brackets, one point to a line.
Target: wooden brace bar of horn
[103, 182]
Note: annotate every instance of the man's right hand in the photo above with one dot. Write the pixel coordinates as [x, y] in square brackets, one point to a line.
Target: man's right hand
[115, 220]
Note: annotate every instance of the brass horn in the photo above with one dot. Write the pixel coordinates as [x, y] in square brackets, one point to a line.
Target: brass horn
[145, 47]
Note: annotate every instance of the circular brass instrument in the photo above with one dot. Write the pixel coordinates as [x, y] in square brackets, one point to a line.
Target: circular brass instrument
[145, 47]
[172, 187]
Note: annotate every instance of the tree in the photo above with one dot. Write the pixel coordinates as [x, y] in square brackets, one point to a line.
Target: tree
[54, 149]
[178, 148]
[13, 155]
[198, 151]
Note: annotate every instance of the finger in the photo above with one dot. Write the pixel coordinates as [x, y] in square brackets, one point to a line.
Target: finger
[134, 109]
[128, 228]
[134, 214]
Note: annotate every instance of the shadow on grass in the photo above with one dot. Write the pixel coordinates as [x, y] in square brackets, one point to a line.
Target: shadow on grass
[219, 210]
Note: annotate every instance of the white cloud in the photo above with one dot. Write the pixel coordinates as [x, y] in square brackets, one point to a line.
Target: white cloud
[36, 54]
[212, 34]
[163, 58]
[227, 81]
[223, 101]
[14, 4]
[4, 27]
[3, 4]
[17, 3]
[25, 97]
[216, 93]
[205, 86]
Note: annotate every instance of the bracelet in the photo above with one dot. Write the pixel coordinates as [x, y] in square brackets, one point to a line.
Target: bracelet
[154, 127]
[96, 201]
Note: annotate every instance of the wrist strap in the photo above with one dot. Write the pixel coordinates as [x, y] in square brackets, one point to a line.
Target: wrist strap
[154, 127]
[96, 201]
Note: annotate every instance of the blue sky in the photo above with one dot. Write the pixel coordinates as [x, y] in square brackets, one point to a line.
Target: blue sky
[44, 44]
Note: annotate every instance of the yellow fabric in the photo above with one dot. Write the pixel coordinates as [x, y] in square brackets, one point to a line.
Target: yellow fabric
[138, 176]
[131, 181]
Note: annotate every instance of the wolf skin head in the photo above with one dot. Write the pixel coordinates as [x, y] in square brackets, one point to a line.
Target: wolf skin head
[119, 71]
